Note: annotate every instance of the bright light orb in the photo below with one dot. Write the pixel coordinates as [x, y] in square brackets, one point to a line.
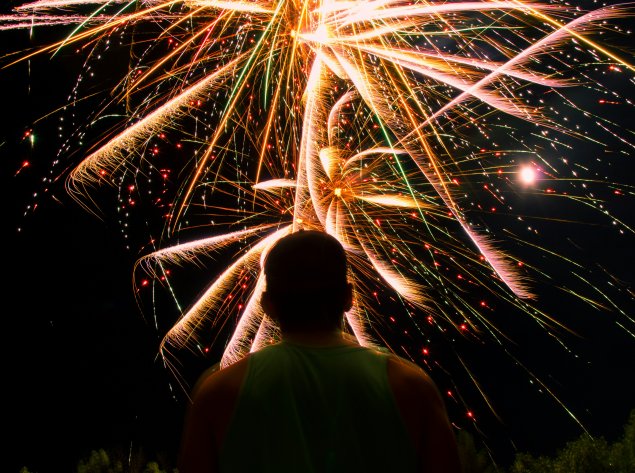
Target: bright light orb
[527, 175]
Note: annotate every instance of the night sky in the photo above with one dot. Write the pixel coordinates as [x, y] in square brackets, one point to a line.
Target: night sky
[81, 356]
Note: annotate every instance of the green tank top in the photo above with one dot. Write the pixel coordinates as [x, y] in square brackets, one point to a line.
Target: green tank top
[316, 409]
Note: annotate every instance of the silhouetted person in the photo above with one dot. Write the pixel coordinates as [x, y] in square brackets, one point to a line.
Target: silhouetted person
[317, 401]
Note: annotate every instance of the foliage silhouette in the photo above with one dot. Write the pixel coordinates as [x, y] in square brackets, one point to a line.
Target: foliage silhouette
[584, 455]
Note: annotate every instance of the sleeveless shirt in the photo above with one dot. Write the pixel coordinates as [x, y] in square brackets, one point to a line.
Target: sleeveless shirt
[316, 409]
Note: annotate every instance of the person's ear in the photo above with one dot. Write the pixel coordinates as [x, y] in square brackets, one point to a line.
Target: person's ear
[348, 297]
[268, 305]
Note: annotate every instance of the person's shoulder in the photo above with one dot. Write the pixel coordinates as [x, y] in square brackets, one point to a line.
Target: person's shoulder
[406, 376]
[405, 367]
[219, 382]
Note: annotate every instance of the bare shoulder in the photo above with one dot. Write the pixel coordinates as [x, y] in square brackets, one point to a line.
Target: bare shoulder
[216, 385]
[408, 379]
[424, 415]
[405, 367]
[213, 400]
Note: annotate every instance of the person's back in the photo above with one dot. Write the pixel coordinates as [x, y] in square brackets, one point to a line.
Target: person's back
[317, 401]
[316, 409]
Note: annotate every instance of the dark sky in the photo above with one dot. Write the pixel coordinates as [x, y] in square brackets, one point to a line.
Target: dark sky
[81, 357]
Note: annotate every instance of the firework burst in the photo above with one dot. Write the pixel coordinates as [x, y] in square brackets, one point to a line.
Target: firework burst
[386, 123]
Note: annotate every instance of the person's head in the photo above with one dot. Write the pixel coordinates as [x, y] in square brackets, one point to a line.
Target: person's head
[307, 289]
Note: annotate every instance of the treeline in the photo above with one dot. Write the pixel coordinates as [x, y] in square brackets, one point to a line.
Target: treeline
[118, 460]
[584, 455]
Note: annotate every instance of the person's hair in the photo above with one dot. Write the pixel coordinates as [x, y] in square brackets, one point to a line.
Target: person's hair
[305, 274]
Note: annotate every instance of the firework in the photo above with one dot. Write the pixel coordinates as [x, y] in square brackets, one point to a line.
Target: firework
[385, 123]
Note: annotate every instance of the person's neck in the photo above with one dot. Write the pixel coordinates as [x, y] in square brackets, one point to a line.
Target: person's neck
[318, 338]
